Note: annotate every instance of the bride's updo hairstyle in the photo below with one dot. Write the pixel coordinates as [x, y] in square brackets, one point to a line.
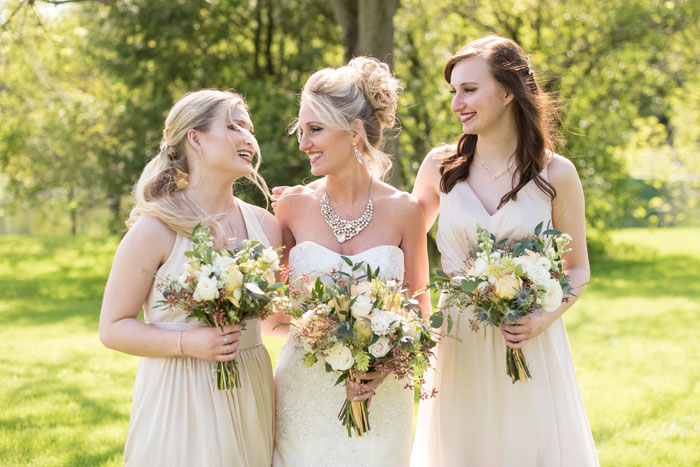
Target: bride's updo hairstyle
[535, 116]
[365, 89]
[159, 191]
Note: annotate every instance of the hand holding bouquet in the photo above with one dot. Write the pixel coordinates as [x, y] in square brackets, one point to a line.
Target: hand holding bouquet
[357, 323]
[504, 284]
[221, 287]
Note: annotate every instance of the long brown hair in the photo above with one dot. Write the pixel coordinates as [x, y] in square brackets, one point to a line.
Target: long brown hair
[535, 116]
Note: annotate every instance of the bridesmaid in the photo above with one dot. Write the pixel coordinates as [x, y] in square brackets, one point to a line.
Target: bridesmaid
[502, 175]
[178, 418]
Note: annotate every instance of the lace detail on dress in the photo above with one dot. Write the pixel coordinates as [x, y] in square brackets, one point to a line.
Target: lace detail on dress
[308, 432]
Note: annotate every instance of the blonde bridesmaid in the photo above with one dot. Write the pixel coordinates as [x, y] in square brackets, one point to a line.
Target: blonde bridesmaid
[178, 418]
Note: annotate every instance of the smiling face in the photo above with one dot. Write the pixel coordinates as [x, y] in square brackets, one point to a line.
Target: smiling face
[479, 100]
[229, 145]
[328, 149]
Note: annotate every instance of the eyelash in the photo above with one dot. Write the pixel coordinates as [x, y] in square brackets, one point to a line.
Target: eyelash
[237, 128]
[465, 90]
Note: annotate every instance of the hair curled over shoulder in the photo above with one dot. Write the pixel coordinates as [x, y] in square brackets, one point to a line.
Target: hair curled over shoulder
[535, 116]
[159, 190]
[365, 89]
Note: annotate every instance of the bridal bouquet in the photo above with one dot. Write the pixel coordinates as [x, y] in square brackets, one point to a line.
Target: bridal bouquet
[220, 287]
[355, 323]
[503, 284]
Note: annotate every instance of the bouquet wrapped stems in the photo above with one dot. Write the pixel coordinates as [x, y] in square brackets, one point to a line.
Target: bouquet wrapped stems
[516, 366]
[355, 416]
[226, 375]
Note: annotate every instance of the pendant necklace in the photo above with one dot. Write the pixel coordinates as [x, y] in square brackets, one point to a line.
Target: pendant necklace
[344, 229]
[493, 175]
[217, 217]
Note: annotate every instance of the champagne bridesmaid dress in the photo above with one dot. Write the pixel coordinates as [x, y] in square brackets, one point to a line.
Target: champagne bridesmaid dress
[480, 418]
[178, 418]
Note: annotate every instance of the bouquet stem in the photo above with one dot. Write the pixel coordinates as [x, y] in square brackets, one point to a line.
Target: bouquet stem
[516, 366]
[226, 374]
[355, 416]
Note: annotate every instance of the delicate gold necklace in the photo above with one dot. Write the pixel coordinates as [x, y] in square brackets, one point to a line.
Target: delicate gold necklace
[217, 217]
[344, 229]
[493, 175]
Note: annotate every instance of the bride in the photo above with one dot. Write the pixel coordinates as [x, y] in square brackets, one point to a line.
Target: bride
[348, 212]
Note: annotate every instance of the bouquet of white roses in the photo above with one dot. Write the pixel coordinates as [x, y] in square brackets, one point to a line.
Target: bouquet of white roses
[503, 284]
[221, 287]
[355, 323]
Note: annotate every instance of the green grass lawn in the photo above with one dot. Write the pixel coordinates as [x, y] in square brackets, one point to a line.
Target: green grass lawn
[634, 336]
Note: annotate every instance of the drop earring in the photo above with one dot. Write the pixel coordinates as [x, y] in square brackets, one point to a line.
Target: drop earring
[358, 154]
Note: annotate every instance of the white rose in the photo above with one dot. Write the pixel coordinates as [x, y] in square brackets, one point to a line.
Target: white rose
[538, 275]
[206, 289]
[553, 296]
[362, 307]
[380, 348]
[383, 322]
[339, 357]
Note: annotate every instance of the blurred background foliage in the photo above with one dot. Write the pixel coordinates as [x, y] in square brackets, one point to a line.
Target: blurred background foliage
[85, 87]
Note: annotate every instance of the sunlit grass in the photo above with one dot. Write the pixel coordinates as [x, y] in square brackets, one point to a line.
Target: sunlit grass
[66, 399]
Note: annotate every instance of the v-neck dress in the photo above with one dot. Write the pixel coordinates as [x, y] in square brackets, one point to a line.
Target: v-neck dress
[178, 417]
[480, 418]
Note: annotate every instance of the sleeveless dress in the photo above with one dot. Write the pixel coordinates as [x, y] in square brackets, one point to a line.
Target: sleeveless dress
[178, 418]
[308, 432]
[480, 418]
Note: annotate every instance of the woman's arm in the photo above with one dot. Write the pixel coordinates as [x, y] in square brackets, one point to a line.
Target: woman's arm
[568, 216]
[415, 248]
[277, 324]
[427, 186]
[142, 250]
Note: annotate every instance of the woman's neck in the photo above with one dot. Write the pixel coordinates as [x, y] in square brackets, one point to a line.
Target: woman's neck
[497, 145]
[349, 188]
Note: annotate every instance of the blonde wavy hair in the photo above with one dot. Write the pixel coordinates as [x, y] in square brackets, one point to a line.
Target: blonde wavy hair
[365, 89]
[159, 191]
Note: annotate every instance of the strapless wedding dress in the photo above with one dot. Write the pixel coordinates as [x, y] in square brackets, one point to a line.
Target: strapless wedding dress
[308, 432]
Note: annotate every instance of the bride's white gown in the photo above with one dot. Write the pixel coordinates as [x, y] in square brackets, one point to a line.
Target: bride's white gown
[308, 432]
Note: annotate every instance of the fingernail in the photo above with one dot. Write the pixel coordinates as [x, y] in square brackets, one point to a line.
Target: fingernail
[355, 398]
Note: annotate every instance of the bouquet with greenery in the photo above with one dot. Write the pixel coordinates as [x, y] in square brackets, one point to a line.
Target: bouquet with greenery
[356, 322]
[220, 287]
[502, 284]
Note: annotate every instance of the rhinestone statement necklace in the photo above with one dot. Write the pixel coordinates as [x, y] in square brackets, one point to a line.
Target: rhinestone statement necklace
[343, 229]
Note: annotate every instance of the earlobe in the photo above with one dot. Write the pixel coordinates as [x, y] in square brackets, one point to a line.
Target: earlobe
[193, 139]
[507, 98]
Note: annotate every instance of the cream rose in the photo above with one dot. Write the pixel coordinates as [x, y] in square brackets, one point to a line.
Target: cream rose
[380, 348]
[362, 307]
[553, 296]
[507, 286]
[206, 289]
[339, 357]
[361, 288]
[383, 322]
